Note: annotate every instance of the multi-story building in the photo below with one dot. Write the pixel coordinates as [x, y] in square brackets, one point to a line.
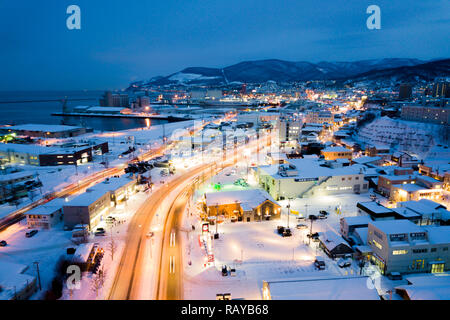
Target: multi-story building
[44, 131]
[289, 130]
[110, 99]
[422, 113]
[401, 246]
[405, 91]
[307, 177]
[31, 154]
[93, 206]
[319, 117]
[45, 216]
[441, 89]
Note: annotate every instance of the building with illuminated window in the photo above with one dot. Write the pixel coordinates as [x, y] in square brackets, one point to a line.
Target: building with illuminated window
[307, 177]
[32, 154]
[44, 131]
[333, 153]
[439, 115]
[241, 205]
[402, 246]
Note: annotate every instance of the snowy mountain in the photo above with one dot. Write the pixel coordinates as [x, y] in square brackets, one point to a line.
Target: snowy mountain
[288, 71]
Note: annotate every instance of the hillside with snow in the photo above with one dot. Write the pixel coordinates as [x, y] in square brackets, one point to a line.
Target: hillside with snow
[401, 135]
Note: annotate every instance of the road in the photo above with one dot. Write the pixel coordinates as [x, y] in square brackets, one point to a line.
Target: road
[126, 285]
[129, 280]
[73, 188]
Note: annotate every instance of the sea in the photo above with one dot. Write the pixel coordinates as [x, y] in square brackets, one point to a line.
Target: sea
[21, 107]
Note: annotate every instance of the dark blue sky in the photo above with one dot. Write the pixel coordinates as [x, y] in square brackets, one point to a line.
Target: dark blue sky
[126, 40]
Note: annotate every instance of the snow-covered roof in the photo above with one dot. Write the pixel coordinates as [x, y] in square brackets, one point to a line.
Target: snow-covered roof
[12, 278]
[410, 187]
[16, 175]
[311, 168]
[47, 208]
[331, 240]
[357, 220]
[86, 198]
[423, 206]
[396, 226]
[336, 149]
[366, 159]
[342, 288]
[82, 252]
[249, 199]
[37, 149]
[374, 207]
[429, 287]
[105, 109]
[112, 184]
[438, 234]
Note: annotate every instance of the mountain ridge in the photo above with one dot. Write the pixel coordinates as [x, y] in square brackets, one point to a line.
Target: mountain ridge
[258, 71]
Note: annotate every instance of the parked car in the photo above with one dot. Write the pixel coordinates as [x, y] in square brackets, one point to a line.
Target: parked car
[150, 234]
[395, 276]
[312, 217]
[314, 236]
[287, 232]
[344, 263]
[301, 218]
[319, 263]
[302, 226]
[31, 233]
[3, 243]
[280, 229]
[323, 212]
[322, 216]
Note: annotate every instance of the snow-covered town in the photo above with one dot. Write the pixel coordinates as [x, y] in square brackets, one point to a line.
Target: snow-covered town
[262, 180]
[324, 197]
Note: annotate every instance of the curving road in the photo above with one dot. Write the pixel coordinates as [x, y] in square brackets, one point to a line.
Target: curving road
[127, 282]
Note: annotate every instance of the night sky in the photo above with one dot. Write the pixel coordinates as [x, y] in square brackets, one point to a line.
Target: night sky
[122, 41]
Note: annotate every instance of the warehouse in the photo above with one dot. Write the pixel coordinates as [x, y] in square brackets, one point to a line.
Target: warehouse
[44, 131]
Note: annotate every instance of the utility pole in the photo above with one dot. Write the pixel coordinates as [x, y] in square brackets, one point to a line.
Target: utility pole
[217, 215]
[38, 274]
[289, 211]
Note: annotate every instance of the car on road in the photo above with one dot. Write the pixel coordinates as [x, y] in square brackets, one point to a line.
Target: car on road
[3, 243]
[302, 226]
[312, 217]
[344, 263]
[150, 234]
[319, 263]
[100, 232]
[287, 232]
[224, 271]
[324, 213]
[322, 216]
[301, 218]
[31, 233]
